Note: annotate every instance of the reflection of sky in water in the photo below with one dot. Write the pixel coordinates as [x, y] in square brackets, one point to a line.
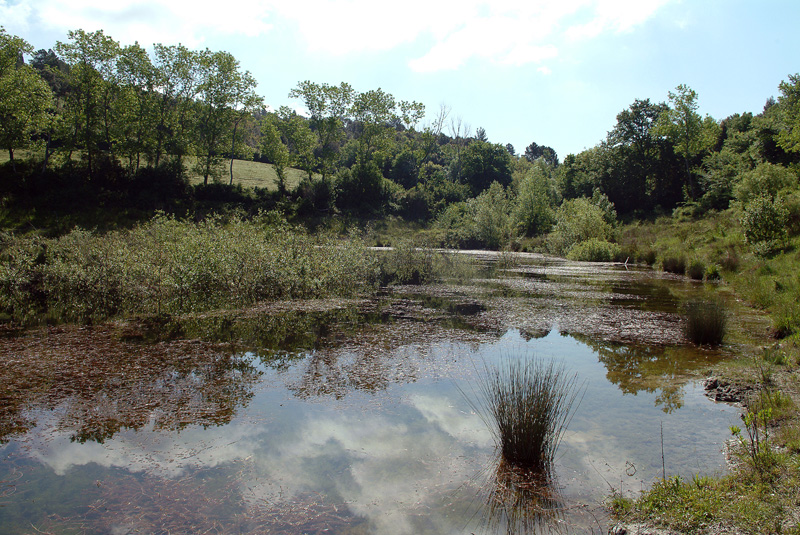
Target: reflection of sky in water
[406, 459]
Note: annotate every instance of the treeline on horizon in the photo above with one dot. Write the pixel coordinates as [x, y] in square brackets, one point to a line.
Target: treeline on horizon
[107, 127]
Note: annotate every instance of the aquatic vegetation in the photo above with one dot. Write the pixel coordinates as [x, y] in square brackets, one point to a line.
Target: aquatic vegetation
[528, 405]
[169, 266]
[705, 322]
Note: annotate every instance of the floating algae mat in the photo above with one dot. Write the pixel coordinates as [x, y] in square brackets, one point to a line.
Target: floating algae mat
[353, 416]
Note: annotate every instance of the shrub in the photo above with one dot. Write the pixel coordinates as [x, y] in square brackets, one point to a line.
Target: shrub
[705, 322]
[764, 221]
[484, 221]
[407, 264]
[712, 273]
[578, 220]
[528, 405]
[766, 179]
[594, 250]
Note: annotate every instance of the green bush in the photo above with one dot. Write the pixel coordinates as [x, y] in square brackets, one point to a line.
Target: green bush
[484, 221]
[764, 220]
[578, 220]
[766, 179]
[594, 250]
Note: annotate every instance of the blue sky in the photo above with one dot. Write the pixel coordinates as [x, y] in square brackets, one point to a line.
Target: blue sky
[556, 73]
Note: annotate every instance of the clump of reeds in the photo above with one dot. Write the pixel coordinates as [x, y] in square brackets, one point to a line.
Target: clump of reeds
[705, 322]
[528, 404]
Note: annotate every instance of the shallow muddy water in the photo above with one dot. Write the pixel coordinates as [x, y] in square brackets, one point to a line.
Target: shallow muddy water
[353, 416]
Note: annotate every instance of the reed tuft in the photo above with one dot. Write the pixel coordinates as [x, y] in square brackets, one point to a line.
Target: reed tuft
[528, 405]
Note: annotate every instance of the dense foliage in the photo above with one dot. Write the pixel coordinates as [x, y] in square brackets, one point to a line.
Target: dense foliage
[99, 134]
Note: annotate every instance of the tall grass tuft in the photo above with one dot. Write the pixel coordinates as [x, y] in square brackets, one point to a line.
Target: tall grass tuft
[528, 405]
[705, 322]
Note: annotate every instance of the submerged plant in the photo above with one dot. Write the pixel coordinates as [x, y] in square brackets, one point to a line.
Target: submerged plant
[705, 322]
[528, 405]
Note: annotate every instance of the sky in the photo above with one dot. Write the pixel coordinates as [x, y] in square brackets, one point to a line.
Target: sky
[551, 72]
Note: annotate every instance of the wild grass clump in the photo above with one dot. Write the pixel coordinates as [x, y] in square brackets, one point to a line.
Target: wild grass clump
[674, 263]
[705, 322]
[528, 405]
[696, 270]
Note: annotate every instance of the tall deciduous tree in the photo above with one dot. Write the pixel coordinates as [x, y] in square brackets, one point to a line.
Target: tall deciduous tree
[789, 114]
[635, 172]
[484, 163]
[91, 58]
[274, 149]
[689, 133]
[24, 96]
[135, 107]
[224, 91]
[177, 85]
[328, 105]
[300, 140]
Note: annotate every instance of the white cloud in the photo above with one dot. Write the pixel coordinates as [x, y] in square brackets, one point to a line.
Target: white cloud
[529, 32]
[451, 32]
[185, 21]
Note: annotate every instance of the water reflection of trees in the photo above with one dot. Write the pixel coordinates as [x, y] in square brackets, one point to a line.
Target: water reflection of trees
[376, 357]
[654, 369]
[90, 383]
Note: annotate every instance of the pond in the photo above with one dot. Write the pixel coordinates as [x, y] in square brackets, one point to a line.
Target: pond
[354, 416]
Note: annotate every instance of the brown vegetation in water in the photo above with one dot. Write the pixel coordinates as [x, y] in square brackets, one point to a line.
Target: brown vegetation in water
[105, 385]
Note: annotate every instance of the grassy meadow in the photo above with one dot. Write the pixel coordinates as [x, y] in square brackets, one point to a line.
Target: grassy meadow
[246, 173]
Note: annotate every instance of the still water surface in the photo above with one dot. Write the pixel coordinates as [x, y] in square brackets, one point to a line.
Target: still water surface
[361, 426]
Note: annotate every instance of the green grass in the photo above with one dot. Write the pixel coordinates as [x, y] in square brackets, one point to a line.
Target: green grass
[250, 174]
[705, 322]
[246, 173]
[528, 405]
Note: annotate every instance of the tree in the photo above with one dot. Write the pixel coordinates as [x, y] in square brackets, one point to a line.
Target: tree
[24, 97]
[274, 149]
[135, 107]
[535, 151]
[635, 170]
[300, 140]
[328, 106]
[480, 134]
[532, 212]
[689, 133]
[244, 102]
[226, 95]
[91, 58]
[484, 163]
[789, 114]
[177, 69]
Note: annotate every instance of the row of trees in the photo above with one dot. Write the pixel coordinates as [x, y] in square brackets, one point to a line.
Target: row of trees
[107, 102]
[363, 152]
